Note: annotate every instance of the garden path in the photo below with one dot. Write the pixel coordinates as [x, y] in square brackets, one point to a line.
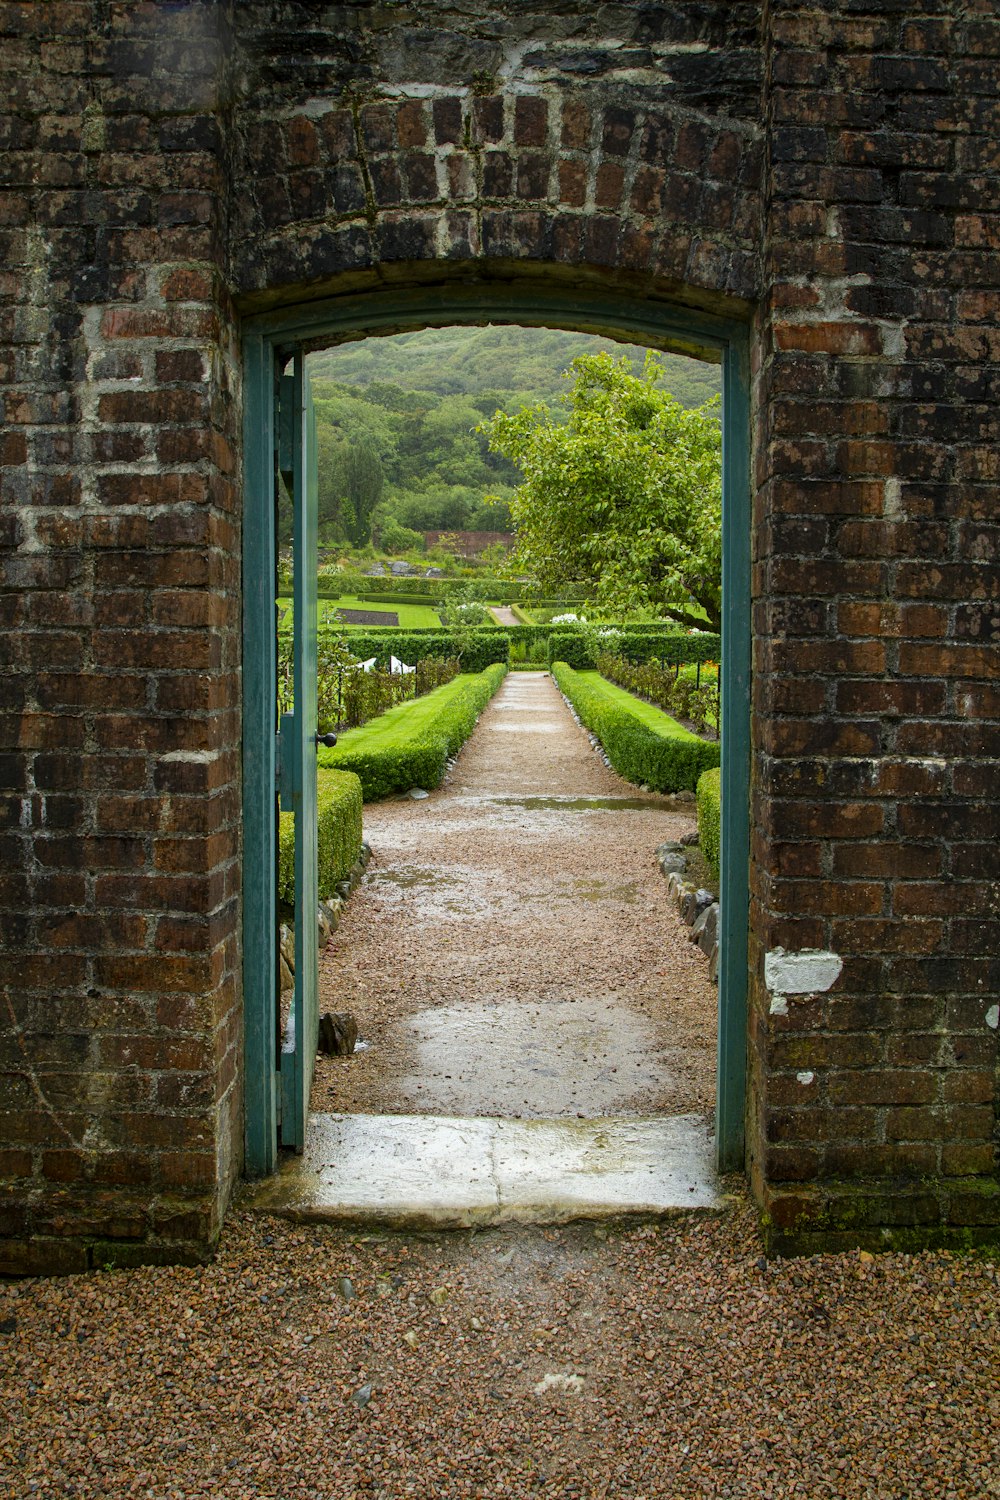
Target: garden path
[503, 614]
[511, 951]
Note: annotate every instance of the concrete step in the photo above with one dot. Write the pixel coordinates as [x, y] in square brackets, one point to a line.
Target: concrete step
[442, 1172]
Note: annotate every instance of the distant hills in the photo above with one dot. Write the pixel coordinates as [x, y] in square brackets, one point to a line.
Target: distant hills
[503, 358]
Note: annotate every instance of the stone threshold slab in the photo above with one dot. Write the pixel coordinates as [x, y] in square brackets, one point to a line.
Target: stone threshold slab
[441, 1172]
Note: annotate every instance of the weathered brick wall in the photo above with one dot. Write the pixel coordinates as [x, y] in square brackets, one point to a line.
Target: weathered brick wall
[119, 1100]
[876, 734]
[168, 167]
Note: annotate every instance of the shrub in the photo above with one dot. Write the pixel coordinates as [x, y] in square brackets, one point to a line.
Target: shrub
[345, 695]
[338, 799]
[580, 648]
[410, 745]
[643, 744]
[709, 794]
[479, 650]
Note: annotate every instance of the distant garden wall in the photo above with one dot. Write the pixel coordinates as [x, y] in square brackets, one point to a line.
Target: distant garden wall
[830, 175]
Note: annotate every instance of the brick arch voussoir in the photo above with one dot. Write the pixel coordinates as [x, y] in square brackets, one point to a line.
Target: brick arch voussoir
[538, 177]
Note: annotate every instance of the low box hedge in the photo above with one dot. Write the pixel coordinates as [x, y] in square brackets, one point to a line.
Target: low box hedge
[338, 798]
[579, 649]
[643, 744]
[709, 795]
[483, 648]
[411, 744]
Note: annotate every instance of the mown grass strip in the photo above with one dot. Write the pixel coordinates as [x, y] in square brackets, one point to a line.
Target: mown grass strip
[411, 616]
[643, 743]
[411, 744]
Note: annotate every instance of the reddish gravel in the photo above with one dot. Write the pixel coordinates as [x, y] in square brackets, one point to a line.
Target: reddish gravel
[670, 1362]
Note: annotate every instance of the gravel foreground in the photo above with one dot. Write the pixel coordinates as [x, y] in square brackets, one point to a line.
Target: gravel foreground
[658, 1360]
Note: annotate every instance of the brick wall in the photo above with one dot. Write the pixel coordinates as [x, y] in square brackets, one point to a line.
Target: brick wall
[876, 622]
[830, 172]
[119, 1011]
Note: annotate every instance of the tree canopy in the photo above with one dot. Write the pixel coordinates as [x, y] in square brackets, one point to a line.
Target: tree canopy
[625, 493]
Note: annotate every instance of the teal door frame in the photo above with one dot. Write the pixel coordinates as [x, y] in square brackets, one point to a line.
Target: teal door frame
[271, 337]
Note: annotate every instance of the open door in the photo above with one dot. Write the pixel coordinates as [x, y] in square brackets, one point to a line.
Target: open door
[296, 429]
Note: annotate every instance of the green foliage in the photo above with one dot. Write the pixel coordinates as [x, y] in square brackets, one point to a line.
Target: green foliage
[394, 537]
[339, 829]
[643, 744]
[482, 648]
[462, 614]
[520, 361]
[709, 795]
[359, 476]
[346, 695]
[625, 493]
[581, 648]
[411, 744]
[690, 693]
[417, 401]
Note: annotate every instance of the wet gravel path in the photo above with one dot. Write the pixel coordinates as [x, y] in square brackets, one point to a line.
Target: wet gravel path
[511, 950]
[668, 1361]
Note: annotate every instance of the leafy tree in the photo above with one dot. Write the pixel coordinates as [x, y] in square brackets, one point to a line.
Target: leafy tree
[626, 494]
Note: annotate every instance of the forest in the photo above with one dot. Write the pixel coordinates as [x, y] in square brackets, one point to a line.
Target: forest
[397, 419]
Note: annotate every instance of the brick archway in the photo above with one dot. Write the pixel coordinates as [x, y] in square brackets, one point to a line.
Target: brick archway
[172, 171]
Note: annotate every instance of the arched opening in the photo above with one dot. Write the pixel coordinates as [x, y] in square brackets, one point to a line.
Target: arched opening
[269, 340]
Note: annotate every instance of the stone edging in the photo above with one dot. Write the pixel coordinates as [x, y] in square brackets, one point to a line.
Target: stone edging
[327, 916]
[696, 905]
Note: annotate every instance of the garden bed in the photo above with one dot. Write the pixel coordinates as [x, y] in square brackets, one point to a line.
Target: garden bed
[644, 744]
[411, 744]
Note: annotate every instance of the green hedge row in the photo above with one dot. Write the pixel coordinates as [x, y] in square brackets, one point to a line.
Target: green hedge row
[501, 590]
[709, 794]
[483, 649]
[643, 744]
[410, 745]
[338, 796]
[580, 651]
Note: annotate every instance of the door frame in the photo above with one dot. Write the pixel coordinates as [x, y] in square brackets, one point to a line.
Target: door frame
[271, 337]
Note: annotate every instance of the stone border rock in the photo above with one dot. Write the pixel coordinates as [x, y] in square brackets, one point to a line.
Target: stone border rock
[697, 906]
[327, 917]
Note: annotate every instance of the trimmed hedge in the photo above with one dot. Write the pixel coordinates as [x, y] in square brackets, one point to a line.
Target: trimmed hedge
[709, 794]
[485, 647]
[643, 744]
[579, 650]
[411, 744]
[503, 591]
[338, 798]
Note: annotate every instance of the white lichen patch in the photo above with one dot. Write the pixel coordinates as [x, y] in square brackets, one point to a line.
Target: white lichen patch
[809, 972]
[805, 1078]
[993, 1017]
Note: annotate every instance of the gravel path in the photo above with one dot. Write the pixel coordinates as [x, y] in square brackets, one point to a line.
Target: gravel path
[511, 950]
[660, 1362]
[670, 1362]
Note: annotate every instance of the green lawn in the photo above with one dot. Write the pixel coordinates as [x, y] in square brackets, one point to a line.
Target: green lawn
[411, 616]
[646, 713]
[407, 721]
[410, 744]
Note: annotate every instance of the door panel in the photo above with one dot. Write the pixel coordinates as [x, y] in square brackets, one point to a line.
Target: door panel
[297, 450]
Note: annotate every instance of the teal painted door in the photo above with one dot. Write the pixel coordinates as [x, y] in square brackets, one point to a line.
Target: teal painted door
[297, 459]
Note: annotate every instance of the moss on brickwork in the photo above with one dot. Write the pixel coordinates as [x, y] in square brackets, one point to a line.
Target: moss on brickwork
[958, 1213]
